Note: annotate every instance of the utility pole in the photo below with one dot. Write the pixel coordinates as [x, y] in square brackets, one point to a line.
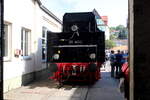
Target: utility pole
[1, 46]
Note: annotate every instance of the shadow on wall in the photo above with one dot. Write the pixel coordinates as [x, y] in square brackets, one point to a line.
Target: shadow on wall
[34, 68]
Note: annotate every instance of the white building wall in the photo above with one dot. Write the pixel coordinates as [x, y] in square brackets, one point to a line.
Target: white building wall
[20, 14]
[107, 33]
[43, 19]
[25, 13]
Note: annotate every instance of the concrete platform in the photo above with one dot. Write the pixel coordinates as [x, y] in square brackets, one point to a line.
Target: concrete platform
[47, 90]
[104, 89]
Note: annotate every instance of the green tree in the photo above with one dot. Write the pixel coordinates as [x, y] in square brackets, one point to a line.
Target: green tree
[120, 31]
[122, 34]
[119, 27]
[113, 37]
[112, 28]
[109, 44]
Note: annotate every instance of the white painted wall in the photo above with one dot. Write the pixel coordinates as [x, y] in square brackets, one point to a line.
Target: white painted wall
[20, 14]
[43, 19]
[107, 33]
[25, 13]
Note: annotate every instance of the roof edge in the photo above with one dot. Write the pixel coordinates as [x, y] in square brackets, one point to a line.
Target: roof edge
[39, 2]
[48, 12]
[96, 13]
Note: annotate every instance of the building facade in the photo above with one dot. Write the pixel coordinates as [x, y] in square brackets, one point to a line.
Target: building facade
[25, 26]
[102, 24]
[105, 23]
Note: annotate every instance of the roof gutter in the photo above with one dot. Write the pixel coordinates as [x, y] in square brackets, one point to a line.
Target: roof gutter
[48, 12]
[39, 2]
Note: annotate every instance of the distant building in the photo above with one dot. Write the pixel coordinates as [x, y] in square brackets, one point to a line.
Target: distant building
[102, 22]
[105, 19]
[26, 23]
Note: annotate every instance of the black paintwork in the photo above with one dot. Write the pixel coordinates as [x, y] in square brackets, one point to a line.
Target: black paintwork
[76, 46]
[85, 21]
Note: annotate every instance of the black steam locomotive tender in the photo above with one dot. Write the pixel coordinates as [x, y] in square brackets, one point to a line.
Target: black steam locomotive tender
[76, 53]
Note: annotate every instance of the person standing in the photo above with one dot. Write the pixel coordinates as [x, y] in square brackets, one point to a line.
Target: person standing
[125, 75]
[112, 62]
[118, 57]
[124, 57]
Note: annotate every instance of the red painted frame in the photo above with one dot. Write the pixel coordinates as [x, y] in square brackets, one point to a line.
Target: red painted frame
[66, 70]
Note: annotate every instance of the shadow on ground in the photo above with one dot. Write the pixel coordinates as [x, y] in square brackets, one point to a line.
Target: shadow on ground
[104, 89]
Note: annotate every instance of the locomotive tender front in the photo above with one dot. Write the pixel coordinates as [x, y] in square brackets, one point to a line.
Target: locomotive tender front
[77, 53]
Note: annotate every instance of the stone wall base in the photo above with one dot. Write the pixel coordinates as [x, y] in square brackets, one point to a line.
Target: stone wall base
[25, 79]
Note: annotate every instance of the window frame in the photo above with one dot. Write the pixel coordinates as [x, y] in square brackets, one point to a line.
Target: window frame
[9, 41]
[44, 38]
[25, 42]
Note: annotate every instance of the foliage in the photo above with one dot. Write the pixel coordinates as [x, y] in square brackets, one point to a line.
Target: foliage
[113, 37]
[120, 32]
[109, 44]
[119, 27]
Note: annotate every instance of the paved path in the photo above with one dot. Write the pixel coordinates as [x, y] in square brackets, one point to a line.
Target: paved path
[47, 90]
[104, 89]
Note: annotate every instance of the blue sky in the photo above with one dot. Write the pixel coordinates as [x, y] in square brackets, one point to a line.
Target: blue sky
[116, 10]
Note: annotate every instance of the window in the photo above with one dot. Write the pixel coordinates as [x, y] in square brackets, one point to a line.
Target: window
[7, 41]
[25, 41]
[44, 31]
